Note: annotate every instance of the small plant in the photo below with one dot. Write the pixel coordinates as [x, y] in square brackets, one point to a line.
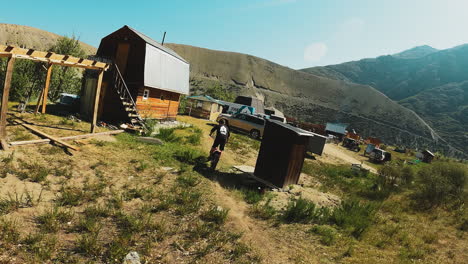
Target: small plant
[251, 196]
[42, 246]
[441, 183]
[187, 202]
[69, 196]
[263, 211]
[353, 216]
[190, 156]
[304, 211]
[327, 233]
[188, 180]
[138, 193]
[215, 214]
[167, 135]
[9, 231]
[89, 244]
[96, 211]
[51, 220]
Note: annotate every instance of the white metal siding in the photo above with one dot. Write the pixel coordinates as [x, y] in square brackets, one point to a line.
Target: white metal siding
[166, 72]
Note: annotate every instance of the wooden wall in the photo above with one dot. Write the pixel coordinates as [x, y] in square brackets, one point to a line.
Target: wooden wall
[281, 155]
[159, 105]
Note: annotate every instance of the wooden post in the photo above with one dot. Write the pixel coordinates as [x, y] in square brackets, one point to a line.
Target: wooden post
[96, 101]
[39, 101]
[46, 89]
[4, 107]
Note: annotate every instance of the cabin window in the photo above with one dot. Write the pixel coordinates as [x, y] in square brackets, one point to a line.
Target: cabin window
[162, 97]
[146, 94]
[199, 104]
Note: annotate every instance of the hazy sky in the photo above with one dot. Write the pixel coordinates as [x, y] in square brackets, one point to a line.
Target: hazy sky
[294, 33]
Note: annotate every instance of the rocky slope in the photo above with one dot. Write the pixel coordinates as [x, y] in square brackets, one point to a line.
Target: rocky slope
[431, 82]
[32, 38]
[307, 96]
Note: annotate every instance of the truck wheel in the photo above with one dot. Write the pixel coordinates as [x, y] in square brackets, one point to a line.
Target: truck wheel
[255, 134]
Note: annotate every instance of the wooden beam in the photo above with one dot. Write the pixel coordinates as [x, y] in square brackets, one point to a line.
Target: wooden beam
[53, 139]
[53, 58]
[4, 106]
[46, 89]
[96, 101]
[46, 140]
[39, 101]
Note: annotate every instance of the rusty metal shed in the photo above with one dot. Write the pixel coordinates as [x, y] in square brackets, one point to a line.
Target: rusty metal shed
[282, 153]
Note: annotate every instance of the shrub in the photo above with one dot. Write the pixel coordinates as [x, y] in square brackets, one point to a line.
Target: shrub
[190, 156]
[167, 135]
[394, 174]
[251, 196]
[441, 183]
[263, 211]
[353, 216]
[51, 220]
[215, 214]
[327, 233]
[304, 211]
[9, 231]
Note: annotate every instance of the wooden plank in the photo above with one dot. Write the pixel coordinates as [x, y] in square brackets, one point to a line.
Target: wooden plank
[45, 92]
[96, 102]
[39, 132]
[46, 140]
[50, 57]
[4, 144]
[39, 101]
[4, 106]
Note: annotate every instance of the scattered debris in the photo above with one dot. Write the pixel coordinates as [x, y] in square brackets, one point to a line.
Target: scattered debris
[132, 258]
[151, 140]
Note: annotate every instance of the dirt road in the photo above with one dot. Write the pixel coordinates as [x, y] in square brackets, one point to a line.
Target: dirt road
[336, 154]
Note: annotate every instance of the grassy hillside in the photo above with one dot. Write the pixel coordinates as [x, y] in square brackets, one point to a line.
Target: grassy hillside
[118, 194]
[427, 81]
[32, 38]
[309, 97]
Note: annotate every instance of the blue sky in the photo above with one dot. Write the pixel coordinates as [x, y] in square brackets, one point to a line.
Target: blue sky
[294, 33]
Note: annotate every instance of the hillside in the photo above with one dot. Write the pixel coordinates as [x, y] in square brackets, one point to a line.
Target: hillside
[431, 85]
[32, 38]
[309, 97]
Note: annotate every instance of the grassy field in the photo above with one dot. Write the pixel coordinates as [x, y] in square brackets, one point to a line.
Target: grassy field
[118, 195]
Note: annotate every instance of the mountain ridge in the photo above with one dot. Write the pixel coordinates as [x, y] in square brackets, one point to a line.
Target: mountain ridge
[309, 97]
[422, 84]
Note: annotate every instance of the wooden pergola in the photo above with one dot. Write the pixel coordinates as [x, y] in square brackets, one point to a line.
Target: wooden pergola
[13, 53]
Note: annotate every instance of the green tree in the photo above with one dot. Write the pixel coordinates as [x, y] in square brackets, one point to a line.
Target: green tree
[66, 79]
[217, 91]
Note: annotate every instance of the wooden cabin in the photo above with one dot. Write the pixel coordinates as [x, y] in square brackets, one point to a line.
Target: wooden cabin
[203, 106]
[146, 82]
[427, 156]
[282, 153]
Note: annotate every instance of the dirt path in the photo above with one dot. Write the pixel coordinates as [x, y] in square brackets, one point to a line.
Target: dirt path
[335, 154]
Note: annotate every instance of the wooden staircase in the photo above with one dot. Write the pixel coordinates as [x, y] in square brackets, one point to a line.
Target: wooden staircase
[126, 98]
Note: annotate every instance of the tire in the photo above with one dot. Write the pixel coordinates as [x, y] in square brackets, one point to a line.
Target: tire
[214, 160]
[255, 134]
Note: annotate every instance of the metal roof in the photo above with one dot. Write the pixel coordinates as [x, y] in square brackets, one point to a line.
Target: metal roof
[205, 98]
[336, 127]
[155, 44]
[298, 131]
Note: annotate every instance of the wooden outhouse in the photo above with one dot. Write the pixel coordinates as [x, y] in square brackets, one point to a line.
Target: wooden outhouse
[203, 106]
[282, 153]
[146, 80]
[427, 156]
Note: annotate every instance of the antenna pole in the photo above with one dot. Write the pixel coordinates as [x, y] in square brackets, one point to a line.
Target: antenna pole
[164, 37]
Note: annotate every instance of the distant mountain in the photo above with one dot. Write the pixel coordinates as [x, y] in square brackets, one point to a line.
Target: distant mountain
[430, 82]
[32, 38]
[416, 52]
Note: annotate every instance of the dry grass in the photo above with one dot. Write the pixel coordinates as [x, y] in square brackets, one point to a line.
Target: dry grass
[112, 197]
